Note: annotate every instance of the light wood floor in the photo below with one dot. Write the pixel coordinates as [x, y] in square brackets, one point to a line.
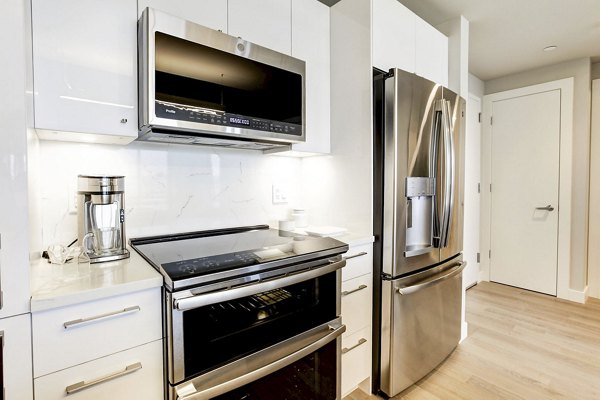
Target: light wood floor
[521, 345]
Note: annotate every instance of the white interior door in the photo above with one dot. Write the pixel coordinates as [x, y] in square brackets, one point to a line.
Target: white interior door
[472, 201]
[525, 178]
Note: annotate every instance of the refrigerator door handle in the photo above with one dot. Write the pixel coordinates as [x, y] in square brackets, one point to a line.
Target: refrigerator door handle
[448, 202]
[434, 157]
[457, 269]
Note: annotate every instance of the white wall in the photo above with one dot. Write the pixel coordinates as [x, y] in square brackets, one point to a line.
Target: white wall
[594, 233]
[596, 71]
[168, 188]
[581, 71]
[476, 86]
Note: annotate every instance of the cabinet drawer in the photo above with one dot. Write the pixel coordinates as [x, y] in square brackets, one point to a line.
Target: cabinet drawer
[75, 334]
[358, 263]
[356, 303]
[132, 374]
[356, 359]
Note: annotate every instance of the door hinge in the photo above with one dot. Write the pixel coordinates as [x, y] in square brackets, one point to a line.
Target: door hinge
[491, 120]
[490, 188]
[478, 257]
[479, 118]
[478, 187]
[490, 254]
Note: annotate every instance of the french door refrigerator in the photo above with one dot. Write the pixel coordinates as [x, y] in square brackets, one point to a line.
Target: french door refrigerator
[418, 227]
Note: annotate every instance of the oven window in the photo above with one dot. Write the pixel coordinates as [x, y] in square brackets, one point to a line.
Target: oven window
[312, 377]
[220, 333]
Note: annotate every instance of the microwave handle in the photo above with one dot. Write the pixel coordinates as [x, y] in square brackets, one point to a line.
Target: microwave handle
[201, 300]
[333, 333]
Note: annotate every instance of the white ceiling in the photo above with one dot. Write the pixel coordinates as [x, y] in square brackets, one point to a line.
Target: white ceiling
[507, 36]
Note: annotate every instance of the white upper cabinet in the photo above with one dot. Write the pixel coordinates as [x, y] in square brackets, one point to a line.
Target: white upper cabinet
[431, 56]
[393, 36]
[85, 69]
[14, 237]
[209, 13]
[310, 42]
[264, 22]
[403, 40]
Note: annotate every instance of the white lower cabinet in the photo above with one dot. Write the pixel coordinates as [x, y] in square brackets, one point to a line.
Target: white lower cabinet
[132, 374]
[15, 357]
[356, 359]
[72, 335]
[357, 289]
[109, 348]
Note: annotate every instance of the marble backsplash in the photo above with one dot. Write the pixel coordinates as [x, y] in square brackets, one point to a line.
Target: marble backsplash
[168, 188]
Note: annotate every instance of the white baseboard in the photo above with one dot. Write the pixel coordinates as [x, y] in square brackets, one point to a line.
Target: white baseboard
[464, 331]
[576, 295]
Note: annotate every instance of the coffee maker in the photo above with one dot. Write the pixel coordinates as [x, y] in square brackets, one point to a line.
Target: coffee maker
[101, 217]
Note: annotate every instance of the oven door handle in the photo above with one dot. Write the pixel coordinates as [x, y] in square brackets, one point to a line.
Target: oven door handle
[190, 392]
[200, 300]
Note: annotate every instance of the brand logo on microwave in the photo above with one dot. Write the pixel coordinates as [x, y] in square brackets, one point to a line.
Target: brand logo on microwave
[170, 111]
[235, 120]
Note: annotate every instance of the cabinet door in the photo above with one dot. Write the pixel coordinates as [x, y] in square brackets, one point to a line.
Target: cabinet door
[209, 13]
[14, 238]
[310, 42]
[431, 56]
[393, 36]
[62, 336]
[136, 373]
[264, 22]
[356, 359]
[15, 357]
[85, 68]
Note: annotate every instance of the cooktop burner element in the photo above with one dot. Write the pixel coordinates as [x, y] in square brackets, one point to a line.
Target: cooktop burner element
[202, 257]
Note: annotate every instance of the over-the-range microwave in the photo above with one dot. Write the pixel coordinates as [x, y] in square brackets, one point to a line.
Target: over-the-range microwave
[201, 86]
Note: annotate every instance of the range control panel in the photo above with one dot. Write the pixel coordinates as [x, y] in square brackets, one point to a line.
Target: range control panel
[204, 116]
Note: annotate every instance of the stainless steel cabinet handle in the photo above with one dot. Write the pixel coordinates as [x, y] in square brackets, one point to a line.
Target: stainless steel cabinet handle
[347, 292]
[362, 253]
[347, 349]
[457, 269]
[79, 386]
[101, 317]
[547, 208]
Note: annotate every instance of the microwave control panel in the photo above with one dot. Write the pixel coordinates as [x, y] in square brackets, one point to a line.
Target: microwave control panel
[197, 114]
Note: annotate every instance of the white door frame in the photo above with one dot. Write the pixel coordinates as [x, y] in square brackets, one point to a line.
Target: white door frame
[565, 86]
[477, 199]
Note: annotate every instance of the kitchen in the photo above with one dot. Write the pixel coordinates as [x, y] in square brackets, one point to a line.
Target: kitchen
[171, 188]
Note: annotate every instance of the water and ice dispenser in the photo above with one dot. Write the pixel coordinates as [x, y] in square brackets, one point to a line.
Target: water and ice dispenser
[420, 198]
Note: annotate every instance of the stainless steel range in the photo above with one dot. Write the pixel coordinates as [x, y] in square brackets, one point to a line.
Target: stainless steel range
[250, 313]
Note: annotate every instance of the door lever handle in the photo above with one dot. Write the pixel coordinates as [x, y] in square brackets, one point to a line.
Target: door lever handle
[547, 208]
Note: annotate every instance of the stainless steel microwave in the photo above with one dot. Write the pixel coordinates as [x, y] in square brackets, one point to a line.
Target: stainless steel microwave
[201, 86]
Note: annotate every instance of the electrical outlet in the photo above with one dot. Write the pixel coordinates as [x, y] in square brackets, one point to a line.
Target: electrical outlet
[280, 195]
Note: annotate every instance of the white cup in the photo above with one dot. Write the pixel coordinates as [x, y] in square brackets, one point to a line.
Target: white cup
[286, 225]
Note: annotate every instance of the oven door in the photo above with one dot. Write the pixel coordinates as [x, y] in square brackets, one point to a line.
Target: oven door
[208, 330]
[304, 367]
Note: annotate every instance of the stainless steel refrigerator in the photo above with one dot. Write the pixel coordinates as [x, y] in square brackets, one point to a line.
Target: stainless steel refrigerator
[418, 226]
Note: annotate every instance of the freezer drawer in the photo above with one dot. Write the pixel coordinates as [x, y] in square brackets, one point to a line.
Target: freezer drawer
[420, 324]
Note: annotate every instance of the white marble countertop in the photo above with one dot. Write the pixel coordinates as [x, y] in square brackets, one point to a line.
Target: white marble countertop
[356, 239]
[54, 286]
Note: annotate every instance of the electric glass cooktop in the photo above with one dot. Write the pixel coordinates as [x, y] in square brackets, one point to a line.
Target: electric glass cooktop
[205, 253]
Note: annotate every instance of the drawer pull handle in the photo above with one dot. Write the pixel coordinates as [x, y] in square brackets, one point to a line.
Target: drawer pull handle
[97, 318]
[347, 292]
[362, 253]
[347, 349]
[79, 386]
